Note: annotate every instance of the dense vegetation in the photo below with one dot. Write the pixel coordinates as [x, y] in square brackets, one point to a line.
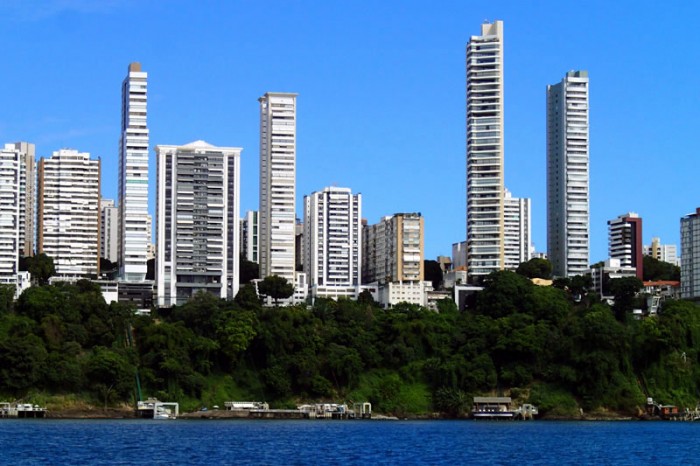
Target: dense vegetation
[531, 342]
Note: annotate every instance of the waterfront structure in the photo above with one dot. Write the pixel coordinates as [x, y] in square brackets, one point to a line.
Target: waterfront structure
[332, 240]
[625, 241]
[69, 213]
[109, 230]
[277, 185]
[485, 161]
[10, 162]
[690, 253]
[197, 219]
[568, 242]
[133, 176]
[250, 239]
[517, 230]
[392, 250]
[662, 252]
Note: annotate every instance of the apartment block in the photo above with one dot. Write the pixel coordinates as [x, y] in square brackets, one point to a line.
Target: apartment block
[197, 216]
[69, 213]
[662, 252]
[517, 230]
[568, 212]
[250, 236]
[393, 249]
[690, 253]
[133, 176]
[277, 212]
[109, 230]
[10, 168]
[485, 160]
[333, 242]
[625, 241]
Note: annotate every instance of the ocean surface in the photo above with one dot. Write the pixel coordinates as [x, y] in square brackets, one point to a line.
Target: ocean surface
[211, 442]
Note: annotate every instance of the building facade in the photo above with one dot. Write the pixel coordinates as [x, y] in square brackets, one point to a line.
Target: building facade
[69, 213]
[392, 250]
[277, 213]
[517, 230]
[133, 176]
[690, 254]
[109, 230]
[27, 197]
[197, 221]
[625, 241]
[568, 214]
[662, 252]
[250, 236]
[485, 169]
[333, 242]
[10, 246]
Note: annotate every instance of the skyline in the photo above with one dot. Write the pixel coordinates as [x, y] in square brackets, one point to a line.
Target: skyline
[356, 128]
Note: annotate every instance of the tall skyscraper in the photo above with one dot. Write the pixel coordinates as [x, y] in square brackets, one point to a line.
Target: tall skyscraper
[277, 184]
[485, 229]
[516, 230]
[10, 161]
[197, 221]
[568, 213]
[625, 241]
[69, 212]
[690, 255]
[393, 250]
[133, 176]
[109, 230]
[333, 242]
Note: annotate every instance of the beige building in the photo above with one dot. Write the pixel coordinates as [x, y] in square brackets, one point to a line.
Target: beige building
[393, 249]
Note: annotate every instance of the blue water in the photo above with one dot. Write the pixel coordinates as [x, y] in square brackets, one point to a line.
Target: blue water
[346, 442]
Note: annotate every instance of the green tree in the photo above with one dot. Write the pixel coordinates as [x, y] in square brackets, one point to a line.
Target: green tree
[247, 298]
[110, 374]
[658, 270]
[535, 268]
[248, 270]
[7, 298]
[624, 291]
[276, 287]
[42, 268]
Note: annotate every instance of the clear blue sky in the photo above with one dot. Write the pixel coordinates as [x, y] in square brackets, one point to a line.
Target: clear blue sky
[381, 106]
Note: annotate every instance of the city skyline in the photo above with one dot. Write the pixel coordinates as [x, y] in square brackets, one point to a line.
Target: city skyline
[356, 128]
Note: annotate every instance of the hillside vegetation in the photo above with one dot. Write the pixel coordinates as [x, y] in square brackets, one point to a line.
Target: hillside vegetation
[531, 342]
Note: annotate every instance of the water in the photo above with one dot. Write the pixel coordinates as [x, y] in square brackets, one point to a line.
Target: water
[346, 442]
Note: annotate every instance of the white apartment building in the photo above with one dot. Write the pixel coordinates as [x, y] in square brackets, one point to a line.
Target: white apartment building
[277, 184]
[10, 162]
[485, 169]
[459, 255]
[517, 230]
[609, 270]
[392, 250]
[250, 236]
[69, 213]
[333, 242]
[198, 198]
[662, 252]
[690, 252]
[568, 242]
[133, 176]
[109, 230]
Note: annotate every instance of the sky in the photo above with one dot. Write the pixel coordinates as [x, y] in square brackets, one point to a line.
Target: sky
[382, 99]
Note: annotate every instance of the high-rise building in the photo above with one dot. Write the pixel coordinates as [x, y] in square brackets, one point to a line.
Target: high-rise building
[662, 252]
[690, 254]
[485, 243]
[333, 242]
[197, 221]
[250, 227]
[27, 197]
[516, 230]
[277, 184]
[568, 243]
[10, 162]
[392, 250]
[69, 212]
[625, 241]
[109, 230]
[133, 176]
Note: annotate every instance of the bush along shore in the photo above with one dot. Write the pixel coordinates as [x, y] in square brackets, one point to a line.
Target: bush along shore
[62, 347]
